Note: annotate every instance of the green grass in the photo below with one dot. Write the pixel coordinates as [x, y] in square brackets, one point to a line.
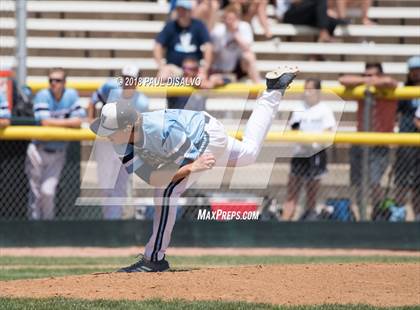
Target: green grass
[12, 268]
[155, 304]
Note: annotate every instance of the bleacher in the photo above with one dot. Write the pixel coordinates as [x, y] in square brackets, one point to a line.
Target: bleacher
[90, 38]
[95, 39]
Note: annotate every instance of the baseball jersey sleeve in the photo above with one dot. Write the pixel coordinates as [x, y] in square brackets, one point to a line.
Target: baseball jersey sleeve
[178, 146]
[4, 107]
[133, 163]
[96, 96]
[76, 110]
[42, 105]
[142, 103]
[103, 92]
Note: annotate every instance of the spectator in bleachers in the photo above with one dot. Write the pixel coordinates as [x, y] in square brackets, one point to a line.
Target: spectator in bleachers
[406, 157]
[56, 106]
[382, 120]
[4, 111]
[196, 101]
[207, 11]
[338, 9]
[309, 162]
[112, 177]
[204, 10]
[181, 38]
[248, 9]
[232, 41]
[311, 13]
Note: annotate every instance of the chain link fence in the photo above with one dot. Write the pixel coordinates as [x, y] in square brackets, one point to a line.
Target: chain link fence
[331, 185]
[343, 182]
[14, 184]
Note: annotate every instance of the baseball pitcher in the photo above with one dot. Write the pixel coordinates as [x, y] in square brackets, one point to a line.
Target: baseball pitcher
[169, 148]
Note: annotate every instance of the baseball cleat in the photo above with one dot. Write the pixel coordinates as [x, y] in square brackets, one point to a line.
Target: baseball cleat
[281, 78]
[144, 265]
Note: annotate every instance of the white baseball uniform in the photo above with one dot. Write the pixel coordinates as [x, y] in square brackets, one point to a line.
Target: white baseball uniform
[181, 136]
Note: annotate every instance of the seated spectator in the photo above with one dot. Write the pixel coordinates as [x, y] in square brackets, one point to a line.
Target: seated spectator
[311, 13]
[232, 42]
[309, 162]
[382, 119]
[338, 9]
[196, 101]
[207, 11]
[112, 177]
[406, 157]
[183, 37]
[248, 9]
[56, 106]
[4, 111]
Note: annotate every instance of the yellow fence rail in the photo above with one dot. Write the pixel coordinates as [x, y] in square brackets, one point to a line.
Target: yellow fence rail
[236, 89]
[367, 138]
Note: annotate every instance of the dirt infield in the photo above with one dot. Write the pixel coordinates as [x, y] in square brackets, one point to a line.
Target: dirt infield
[374, 284]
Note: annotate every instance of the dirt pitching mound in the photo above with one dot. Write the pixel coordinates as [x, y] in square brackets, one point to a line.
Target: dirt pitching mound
[374, 284]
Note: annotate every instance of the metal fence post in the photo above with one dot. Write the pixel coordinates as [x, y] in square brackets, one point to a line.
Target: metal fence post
[21, 53]
[369, 101]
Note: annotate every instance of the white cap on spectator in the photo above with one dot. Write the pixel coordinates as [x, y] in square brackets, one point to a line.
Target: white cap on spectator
[186, 4]
[131, 70]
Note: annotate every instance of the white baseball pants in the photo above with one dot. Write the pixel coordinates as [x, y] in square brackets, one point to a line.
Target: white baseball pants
[228, 151]
[112, 178]
[43, 170]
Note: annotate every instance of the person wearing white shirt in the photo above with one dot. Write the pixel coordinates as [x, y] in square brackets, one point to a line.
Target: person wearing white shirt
[309, 162]
[232, 41]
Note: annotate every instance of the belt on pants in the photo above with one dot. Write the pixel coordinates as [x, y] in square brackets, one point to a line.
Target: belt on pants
[51, 151]
[48, 150]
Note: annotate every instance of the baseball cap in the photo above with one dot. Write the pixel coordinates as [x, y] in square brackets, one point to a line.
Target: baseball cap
[413, 62]
[186, 4]
[130, 70]
[114, 116]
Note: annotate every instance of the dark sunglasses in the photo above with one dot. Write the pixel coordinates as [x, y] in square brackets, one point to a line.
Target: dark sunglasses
[56, 80]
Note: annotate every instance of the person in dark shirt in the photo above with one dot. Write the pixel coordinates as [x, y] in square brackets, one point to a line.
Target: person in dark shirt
[183, 37]
[406, 157]
[312, 13]
[197, 100]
